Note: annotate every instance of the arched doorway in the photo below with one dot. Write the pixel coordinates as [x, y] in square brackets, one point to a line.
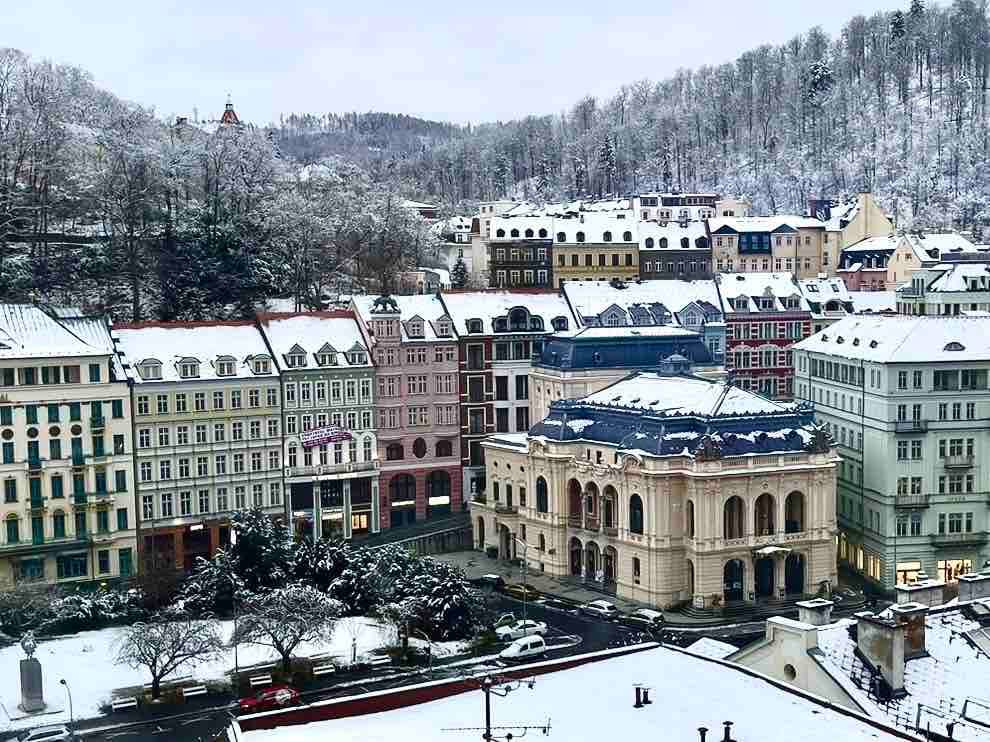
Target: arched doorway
[636, 514]
[794, 574]
[763, 572]
[689, 577]
[574, 503]
[732, 518]
[505, 543]
[481, 533]
[610, 561]
[592, 561]
[689, 519]
[732, 580]
[591, 514]
[794, 513]
[437, 494]
[763, 515]
[402, 497]
[608, 514]
[576, 551]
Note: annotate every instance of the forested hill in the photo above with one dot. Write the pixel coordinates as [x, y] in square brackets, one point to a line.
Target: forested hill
[366, 138]
[895, 103]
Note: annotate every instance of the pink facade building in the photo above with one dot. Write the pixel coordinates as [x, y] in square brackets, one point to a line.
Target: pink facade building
[415, 353]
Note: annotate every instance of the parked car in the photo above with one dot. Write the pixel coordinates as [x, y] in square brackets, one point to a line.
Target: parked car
[489, 582]
[273, 697]
[519, 629]
[600, 609]
[522, 591]
[644, 619]
[528, 646]
[52, 733]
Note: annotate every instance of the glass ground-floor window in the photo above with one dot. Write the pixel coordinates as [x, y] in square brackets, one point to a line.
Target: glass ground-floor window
[907, 572]
[950, 569]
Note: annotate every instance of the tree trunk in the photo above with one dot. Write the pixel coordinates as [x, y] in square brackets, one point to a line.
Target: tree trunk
[156, 688]
[287, 663]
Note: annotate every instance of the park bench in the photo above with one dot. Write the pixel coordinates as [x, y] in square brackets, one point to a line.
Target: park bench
[122, 704]
[259, 680]
[325, 669]
[194, 690]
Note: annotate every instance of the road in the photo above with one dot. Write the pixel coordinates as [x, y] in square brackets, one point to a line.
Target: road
[568, 634]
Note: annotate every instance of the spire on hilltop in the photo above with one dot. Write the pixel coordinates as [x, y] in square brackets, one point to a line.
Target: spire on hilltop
[229, 116]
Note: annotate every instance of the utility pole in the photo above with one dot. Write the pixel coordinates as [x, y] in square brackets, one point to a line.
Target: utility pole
[500, 686]
[524, 570]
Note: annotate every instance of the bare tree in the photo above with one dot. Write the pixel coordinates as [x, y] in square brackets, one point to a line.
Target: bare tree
[163, 646]
[285, 618]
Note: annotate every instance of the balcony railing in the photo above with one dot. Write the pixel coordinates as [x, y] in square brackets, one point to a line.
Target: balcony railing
[911, 501]
[611, 531]
[957, 539]
[79, 498]
[591, 523]
[574, 521]
[350, 466]
[911, 426]
[36, 502]
[78, 458]
[958, 461]
[97, 423]
[34, 464]
[501, 507]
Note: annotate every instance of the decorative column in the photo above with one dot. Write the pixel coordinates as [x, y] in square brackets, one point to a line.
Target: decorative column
[376, 515]
[778, 575]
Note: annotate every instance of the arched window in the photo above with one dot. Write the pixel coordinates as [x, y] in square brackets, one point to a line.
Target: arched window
[732, 518]
[394, 452]
[419, 448]
[663, 242]
[627, 236]
[701, 242]
[579, 237]
[607, 237]
[649, 243]
[542, 496]
[636, 514]
[763, 515]
[438, 484]
[542, 543]
[685, 243]
[514, 233]
[444, 449]
[543, 234]
[794, 513]
[561, 237]
[500, 233]
[689, 519]
[529, 233]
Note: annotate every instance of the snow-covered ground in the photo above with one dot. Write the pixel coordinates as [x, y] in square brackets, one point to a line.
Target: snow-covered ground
[595, 702]
[86, 661]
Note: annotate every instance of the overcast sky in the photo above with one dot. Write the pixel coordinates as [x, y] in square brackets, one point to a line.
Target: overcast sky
[461, 62]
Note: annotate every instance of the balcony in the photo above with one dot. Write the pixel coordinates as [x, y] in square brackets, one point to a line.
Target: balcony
[319, 470]
[34, 465]
[591, 523]
[959, 539]
[958, 461]
[501, 507]
[911, 426]
[97, 424]
[79, 498]
[78, 458]
[911, 501]
[35, 502]
[611, 531]
[574, 521]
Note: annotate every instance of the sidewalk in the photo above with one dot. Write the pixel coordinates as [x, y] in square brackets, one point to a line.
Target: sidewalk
[477, 563]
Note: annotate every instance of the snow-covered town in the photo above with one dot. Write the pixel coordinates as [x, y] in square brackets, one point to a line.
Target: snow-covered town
[426, 422]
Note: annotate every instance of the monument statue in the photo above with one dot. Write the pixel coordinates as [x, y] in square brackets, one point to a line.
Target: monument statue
[32, 691]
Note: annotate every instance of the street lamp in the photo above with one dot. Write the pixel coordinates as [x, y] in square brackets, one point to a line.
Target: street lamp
[233, 599]
[524, 569]
[72, 721]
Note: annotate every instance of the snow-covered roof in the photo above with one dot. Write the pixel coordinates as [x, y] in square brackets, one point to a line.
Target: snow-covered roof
[841, 213]
[761, 285]
[488, 305]
[408, 204]
[763, 223]
[683, 395]
[451, 225]
[26, 331]
[591, 298]
[672, 232]
[169, 342]
[681, 690]
[959, 277]
[824, 289]
[904, 339]
[95, 331]
[425, 306]
[873, 301]
[942, 242]
[937, 685]
[874, 244]
[312, 332]
[626, 331]
[712, 648]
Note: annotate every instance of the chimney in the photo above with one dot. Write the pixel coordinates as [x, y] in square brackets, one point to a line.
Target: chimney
[180, 120]
[702, 733]
[975, 586]
[727, 737]
[639, 698]
[923, 590]
[880, 644]
[815, 612]
[911, 618]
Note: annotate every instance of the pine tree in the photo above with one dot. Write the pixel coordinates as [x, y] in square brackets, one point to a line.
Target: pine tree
[606, 165]
[897, 25]
[459, 274]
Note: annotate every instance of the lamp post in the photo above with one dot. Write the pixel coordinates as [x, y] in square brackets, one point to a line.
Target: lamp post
[233, 599]
[72, 721]
[524, 570]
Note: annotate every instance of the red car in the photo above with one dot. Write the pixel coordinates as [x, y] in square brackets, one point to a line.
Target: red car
[274, 697]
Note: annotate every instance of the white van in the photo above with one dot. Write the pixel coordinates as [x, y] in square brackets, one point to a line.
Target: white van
[528, 646]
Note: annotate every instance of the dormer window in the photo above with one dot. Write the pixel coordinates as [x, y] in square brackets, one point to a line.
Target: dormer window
[150, 370]
[415, 328]
[443, 328]
[356, 358]
[501, 325]
[326, 359]
[188, 368]
[474, 325]
[261, 366]
[559, 323]
[295, 360]
[954, 346]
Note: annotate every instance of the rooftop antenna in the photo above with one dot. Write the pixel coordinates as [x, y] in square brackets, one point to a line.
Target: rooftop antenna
[501, 686]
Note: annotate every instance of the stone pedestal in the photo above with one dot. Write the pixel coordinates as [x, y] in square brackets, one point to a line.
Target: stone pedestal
[32, 692]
